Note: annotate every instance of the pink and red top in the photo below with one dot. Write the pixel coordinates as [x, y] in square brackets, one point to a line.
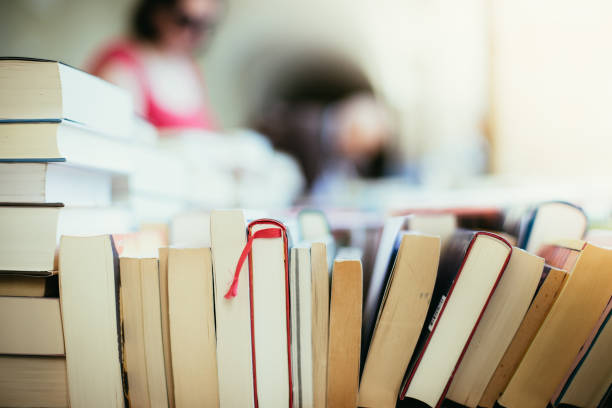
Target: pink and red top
[127, 53]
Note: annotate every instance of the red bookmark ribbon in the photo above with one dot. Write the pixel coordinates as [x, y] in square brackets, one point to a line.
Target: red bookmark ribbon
[264, 233]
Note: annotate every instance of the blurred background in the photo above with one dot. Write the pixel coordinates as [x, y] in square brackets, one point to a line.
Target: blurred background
[492, 99]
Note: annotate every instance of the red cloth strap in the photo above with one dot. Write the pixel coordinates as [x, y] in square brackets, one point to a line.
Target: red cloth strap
[264, 233]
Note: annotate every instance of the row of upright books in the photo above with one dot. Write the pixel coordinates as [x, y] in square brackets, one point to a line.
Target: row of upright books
[457, 318]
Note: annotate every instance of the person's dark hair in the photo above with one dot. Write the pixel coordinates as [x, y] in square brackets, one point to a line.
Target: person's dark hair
[143, 24]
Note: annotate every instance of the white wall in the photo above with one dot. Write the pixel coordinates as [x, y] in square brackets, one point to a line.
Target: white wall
[552, 87]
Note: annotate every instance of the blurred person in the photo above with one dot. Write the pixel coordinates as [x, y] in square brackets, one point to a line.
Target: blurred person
[156, 62]
[326, 115]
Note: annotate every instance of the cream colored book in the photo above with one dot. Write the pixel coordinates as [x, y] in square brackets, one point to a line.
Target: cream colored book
[31, 326]
[28, 237]
[344, 334]
[564, 331]
[270, 314]
[300, 274]
[28, 286]
[165, 324]
[320, 322]
[28, 381]
[43, 90]
[400, 317]
[233, 319]
[89, 297]
[192, 328]
[142, 333]
[537, 312]
[497, 327]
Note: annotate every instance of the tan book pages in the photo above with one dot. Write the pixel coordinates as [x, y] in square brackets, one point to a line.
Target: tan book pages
[11, 285]
[233, 316]
[537, 312]
[134, 359]
[165, 324]
[192, 328]
[31, 326]
[344, 334]
[154, 349]
[320, 322]
[498, 325]
[143, 353]
[89, 302]
[33, 382]
[565, 329]
[400, 321]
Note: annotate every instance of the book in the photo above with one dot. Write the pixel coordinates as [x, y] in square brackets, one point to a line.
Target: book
[53, 141]
[344, 333]
[42, 90]
[270, 313]
[550, 221]
[232, 316]
[587, 382]
[565, 329]
[32, 381]
[89, 298]
[192, 327]
[142, 334]
[551, 283]
[441, 225]
[497, 327]
[320, 322]
[398, 318]
[471, 265]
[52, 183]
[300, 282]
[165, 322]
[28, 286]
[31, 326]
[28, 237]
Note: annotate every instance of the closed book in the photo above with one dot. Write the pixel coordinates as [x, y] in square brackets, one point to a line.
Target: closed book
[165, 322]
[320, 322]
[270, 313]
[471, 265]
[344, 333]
[33, 381]
[550, 221]
[192, 327]
[300, 282]
[399, 317]
[564, 331]
[587, 382]
[550, 286]
[54, 182]
[31, 326]
[28, 237]
[232, 316]
[497, 327]
[142, 333]
[28, 286]
[89, 297]
[43, 90]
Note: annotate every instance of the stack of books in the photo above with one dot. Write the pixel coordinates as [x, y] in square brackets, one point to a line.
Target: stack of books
[45, 107]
